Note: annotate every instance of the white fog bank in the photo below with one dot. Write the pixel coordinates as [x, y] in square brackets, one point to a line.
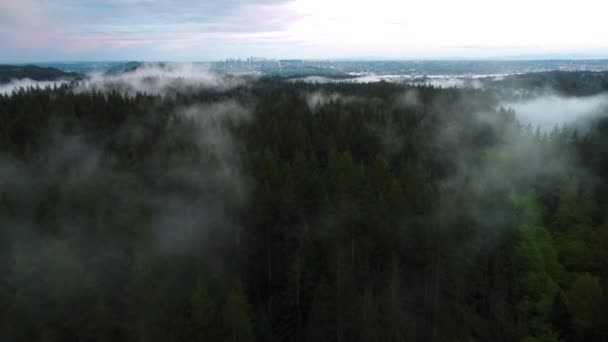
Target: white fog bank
[554, 110]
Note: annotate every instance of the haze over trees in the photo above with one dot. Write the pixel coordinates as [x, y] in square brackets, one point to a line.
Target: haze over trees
[270, 210]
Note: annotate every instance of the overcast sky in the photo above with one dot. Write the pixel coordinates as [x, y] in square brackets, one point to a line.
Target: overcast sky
[199, 30]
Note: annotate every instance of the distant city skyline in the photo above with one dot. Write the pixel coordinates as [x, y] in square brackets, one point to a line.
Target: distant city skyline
[214, 30]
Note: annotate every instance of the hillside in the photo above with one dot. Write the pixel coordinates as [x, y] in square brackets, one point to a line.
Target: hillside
[268, 210]
[12, 72]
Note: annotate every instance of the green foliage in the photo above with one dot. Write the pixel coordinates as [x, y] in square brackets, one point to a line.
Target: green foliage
[104, 325]
[203, 315]
[585, 303]
[235, 316]
[321, 321]
[535, 261]
[12, 72]
[127, 218]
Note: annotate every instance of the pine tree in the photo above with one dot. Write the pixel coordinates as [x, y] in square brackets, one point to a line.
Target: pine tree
[202, 319]
[321, 318]
[103, 322]
[235, 316]
[585, 300]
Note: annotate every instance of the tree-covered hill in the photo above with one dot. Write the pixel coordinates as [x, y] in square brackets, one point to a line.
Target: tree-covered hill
[14, 72]
[579, 83]
[279, 211]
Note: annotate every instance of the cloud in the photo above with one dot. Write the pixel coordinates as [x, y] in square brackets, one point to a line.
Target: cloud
[319, 99]
[154, 78]
[410, 99]
[189, 192]
[299, 28]
[15, 85]
[12, 12]
[149, 78]
[71, 27]
[449, 82]
[218, 183]
[553, 110]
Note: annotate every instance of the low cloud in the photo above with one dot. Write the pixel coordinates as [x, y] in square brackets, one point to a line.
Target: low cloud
[450, 82]
[213, 186]
[319, 99]
[148, 78]
[15, 85]
[553, 110]
[189, 194]
[154, 78]
[410, 99]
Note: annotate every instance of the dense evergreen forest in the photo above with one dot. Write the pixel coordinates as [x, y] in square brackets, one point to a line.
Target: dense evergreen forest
[11, 72]
[282, 211]
[580, 83]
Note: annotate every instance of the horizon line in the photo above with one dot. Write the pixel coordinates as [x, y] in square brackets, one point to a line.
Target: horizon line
[338, 59]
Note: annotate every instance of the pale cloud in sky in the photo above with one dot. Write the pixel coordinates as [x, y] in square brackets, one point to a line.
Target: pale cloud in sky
[217, 29]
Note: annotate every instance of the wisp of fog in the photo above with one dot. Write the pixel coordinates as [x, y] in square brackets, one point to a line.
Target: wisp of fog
[547, 112]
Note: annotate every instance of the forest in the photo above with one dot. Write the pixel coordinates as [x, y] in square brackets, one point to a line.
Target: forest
[271, 210]
[10, 72]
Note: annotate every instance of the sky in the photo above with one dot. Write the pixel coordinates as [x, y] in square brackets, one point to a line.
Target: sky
[204, 30]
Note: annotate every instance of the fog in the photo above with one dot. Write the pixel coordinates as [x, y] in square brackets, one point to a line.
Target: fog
[439, 81]
[156, 78]
[15, 85]
[547, 112]
[109, 203]
[150, 78]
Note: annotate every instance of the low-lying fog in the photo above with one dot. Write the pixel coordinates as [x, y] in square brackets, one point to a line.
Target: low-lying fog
[547, 112]
[151, 78]
[15, 85]
[439, 81]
